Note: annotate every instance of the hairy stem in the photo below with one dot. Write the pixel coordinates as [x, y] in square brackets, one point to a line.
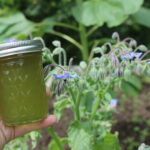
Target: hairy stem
[60, 60]
[98, 101]
[55, 138]
[74, 103]
[65, 57]
[77, 105]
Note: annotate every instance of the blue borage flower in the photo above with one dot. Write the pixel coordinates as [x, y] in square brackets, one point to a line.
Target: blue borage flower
[65, 75]
[131, 55]
[113, 102]
[148, 62]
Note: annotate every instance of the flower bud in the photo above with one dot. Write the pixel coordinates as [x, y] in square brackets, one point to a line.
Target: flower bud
[139, 69]
[127, 73]
[102, 74]
[133, 43]
[56, 43]
[115, 35]
[57, 51]
[143, 48]
[83, 65]
[97, 50]
[93, 73]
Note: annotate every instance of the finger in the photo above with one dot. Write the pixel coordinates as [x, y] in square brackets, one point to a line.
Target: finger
[48, 93]
[21, 130]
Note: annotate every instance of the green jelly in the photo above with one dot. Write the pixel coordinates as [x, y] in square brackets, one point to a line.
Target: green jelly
[22, 91]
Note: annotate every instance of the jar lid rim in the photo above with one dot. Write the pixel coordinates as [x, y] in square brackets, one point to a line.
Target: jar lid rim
[20, 47]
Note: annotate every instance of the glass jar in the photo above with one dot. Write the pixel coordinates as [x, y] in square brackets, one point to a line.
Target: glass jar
[22, 91]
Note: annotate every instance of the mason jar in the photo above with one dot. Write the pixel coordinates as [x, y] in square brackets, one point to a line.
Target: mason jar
[22, 91]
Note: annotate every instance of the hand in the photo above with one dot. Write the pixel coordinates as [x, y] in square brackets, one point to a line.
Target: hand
[9, 133]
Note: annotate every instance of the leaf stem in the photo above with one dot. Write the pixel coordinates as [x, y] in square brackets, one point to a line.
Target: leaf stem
[76, 101]
[65, 57]
[77, 105]
[50, 59]
[72, 95]
[68, 38]
[58, 24]
[93, 29]
[60, 60]
[55, 137]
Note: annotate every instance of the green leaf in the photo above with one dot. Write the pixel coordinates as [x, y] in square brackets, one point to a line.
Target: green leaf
[135, 81]
[15, 24]
[144, 147]
[47, 24]
[129, 89]
[59, 106]
[110, 142]
[108, 98]
[99, 12]
[53, 145]
[79, 136]
[129, 6]
[142, 17]
[88, 99]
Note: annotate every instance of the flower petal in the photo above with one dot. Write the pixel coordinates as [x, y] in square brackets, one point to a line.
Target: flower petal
[67, 75]
[138, 55]
[114, 102]
[58, 76]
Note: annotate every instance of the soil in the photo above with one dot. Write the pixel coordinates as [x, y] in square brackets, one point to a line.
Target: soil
[133, 122]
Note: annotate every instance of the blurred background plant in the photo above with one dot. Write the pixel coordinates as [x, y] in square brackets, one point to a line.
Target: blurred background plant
[82, 23]
[82, 26]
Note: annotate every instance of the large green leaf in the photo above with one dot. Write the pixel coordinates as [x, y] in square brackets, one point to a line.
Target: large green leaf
[14, 25]
[98, 12]
[129, 89]
[110, 142]
[135, 81]
[47, 24]
[142, 17]
[144, 147]
[79, 137]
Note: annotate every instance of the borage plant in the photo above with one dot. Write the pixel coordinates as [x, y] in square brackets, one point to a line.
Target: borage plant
[86, 90]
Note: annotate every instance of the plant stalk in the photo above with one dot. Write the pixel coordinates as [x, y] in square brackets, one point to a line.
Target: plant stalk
[74, 103]
[83, 37]
[84, 42]
[55, 137]
[65, 57]
[100, 97]
[77, 106]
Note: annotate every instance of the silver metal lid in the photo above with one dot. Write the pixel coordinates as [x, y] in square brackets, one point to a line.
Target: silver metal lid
[20, 47]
